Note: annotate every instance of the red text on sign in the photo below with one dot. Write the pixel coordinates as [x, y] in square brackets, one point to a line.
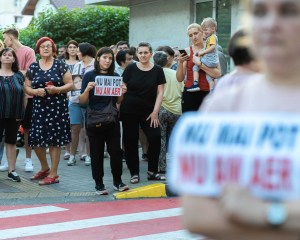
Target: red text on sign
[193, 168]
[227, 169]
[272, 174]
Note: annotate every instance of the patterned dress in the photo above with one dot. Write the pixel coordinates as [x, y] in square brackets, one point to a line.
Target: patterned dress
[50, 124]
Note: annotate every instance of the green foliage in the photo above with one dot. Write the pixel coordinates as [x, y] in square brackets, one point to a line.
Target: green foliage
[98, 25]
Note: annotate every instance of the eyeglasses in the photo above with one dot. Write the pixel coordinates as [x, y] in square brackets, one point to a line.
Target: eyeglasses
[47, 46]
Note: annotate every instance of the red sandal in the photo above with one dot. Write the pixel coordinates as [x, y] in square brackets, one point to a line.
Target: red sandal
[49, 180]
[40, 175]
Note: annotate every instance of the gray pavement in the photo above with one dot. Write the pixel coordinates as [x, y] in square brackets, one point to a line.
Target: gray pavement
[76, 183]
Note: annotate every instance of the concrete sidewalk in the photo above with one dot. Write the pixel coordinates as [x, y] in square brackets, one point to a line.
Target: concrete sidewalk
[76, 183]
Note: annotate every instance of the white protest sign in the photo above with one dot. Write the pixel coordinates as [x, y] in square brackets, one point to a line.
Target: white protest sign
[258, 151]
[108, 86]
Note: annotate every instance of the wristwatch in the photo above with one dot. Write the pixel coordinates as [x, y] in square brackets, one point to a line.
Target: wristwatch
[276, 214]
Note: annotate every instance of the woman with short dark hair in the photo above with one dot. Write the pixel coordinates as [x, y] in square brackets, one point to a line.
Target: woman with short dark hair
[170, 109]
[171, 63]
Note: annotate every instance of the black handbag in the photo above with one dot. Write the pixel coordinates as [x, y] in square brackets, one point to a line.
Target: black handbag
[101, 118]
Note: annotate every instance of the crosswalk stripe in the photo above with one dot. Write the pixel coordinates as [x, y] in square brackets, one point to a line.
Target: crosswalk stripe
[180, 234]
[30, 211]
[88, 223]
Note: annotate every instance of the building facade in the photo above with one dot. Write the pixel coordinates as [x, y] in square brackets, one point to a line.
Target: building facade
[10, 14]
[164, 22]
[36, 7]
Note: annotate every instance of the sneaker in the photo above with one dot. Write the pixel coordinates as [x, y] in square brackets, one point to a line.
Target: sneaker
[28, 165]
[67, 156]
[194, 88]
[82, 157]
[72, 161]
[4, 165]
[14, 176]
[87, 161]
[100, 189]
[121, 187]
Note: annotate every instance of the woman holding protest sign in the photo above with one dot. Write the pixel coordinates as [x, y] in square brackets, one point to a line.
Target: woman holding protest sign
[275, 29]
[101, 133]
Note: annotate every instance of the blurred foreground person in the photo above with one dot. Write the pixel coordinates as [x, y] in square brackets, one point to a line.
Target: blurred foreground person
[275, 29]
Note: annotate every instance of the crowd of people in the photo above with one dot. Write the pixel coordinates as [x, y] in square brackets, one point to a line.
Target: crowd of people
[58, 92]
[155, 94]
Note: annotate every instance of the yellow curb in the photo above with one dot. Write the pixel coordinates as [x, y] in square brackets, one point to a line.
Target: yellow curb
[153, 190]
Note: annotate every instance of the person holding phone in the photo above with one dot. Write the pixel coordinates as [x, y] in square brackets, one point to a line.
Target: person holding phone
[209, 55]
[191, 101]
[48, 81]
[182, 52]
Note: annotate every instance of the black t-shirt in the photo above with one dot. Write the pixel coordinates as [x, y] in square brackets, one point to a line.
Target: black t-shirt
[141, 89]
[96, 102]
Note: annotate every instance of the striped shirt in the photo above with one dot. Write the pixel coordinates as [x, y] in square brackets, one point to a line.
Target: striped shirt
[12, 96]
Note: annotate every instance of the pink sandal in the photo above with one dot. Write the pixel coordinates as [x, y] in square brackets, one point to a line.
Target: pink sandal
[40, 175]
[49, 180]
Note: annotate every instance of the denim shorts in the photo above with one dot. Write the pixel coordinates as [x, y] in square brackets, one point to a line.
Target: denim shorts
[77, 113]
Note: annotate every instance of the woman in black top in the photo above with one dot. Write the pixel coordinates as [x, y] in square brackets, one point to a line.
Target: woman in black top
[104, 65]
[140, 106]
[11, 106]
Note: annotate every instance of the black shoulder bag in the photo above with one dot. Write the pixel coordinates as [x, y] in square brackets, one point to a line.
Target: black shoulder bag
[101, 118]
